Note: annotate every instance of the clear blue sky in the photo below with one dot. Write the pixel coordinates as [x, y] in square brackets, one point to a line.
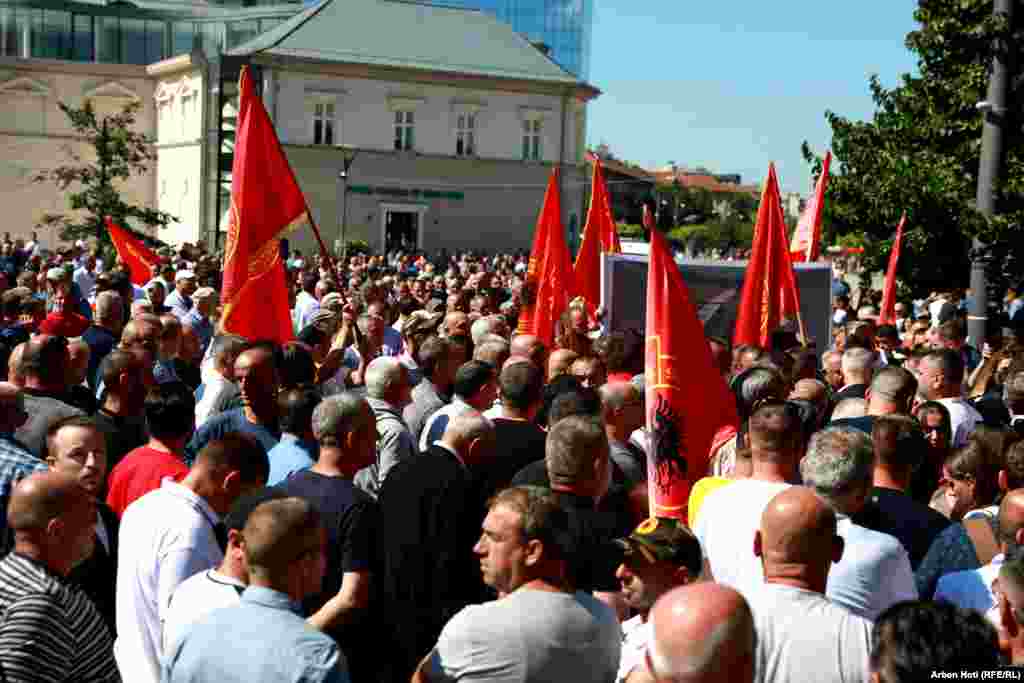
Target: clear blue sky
[732, 85]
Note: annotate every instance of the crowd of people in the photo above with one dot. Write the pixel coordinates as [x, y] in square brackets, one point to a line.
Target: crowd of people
[412, 491]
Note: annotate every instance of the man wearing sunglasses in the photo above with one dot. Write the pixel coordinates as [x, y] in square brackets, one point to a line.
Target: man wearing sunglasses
[658, 556]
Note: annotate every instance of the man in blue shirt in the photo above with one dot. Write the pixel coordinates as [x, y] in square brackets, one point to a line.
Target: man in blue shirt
[256, 373]
[297, 449]
[198, 319]
[180, 300]
[264, 637]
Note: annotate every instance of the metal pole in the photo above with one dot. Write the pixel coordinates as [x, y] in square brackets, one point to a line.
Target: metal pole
[344, 210]
[988, 172]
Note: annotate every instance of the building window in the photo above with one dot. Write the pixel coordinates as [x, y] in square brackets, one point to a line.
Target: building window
[465, 135]
[188, 101]
[531, 140]
[323, 123]
[164, 117]
[404, 124]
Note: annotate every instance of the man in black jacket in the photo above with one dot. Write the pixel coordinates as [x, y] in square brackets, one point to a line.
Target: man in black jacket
[75, 446]
[431, 510]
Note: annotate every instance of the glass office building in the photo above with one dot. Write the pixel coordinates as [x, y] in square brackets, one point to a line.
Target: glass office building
[563, 25]
[124, 33]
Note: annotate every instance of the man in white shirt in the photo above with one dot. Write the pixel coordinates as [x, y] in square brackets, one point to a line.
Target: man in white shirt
[875, 570]
[940, 378]
[219, 385]
[801, 634]
[730, 515]
[170, 534]
[658, 556]
[306, 304]
[85, 276]
[222, 586]
[973, 589]
[475, 387]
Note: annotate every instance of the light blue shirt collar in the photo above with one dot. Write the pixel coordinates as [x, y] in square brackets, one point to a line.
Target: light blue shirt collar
[268, 597]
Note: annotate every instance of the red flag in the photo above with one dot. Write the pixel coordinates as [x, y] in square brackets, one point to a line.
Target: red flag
[806, 244]
[687, 398]
[265, 202]
[887, 315]
[549, 274]
[599, 236]
[139, 258]
[770, 293]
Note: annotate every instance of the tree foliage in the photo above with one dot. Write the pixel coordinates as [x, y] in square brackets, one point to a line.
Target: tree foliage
[920, 154]
[114, 152]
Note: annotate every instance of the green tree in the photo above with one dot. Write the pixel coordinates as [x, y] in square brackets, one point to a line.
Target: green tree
[919, 154]
[114, 152]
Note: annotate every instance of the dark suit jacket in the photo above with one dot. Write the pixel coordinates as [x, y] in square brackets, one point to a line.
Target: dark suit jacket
[97, 576]
[430, 515]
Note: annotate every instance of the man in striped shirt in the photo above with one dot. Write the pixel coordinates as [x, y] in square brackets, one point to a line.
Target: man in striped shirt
[49, 630]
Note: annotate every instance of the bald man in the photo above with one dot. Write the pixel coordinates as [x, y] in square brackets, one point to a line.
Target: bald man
[257, 375]
[972, 589]
[798, 628]
[701, 633]
[622, 411]
[530, 347]
[816, 392]
[49, 629]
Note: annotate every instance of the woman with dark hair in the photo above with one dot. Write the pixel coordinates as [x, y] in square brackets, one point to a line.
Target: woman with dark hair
[970, 479]
[938, 431]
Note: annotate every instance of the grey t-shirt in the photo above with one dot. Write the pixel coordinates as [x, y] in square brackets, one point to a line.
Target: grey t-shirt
[530, 635]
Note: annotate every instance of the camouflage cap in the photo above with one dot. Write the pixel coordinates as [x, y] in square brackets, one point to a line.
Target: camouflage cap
[665, 539]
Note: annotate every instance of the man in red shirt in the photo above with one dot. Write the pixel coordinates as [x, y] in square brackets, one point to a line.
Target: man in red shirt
[170, 412]
[64, 321]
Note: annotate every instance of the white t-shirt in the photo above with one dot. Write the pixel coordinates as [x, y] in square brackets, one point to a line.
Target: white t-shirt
[802, 637]
[729, 518]
[963, 418]
[306, 307]
[196, 597]
[874, 573]
[437, 423]
[529, 635]
[217, 392]
[165, 537]
[636, 634]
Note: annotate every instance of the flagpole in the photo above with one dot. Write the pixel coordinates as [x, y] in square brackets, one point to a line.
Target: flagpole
[323, 249]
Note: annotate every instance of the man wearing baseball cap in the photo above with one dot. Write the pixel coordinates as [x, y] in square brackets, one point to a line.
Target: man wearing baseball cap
[198, 319]
[658, 556]
[180, 300]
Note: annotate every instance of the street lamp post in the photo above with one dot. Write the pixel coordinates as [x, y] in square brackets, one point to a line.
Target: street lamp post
[348, 155]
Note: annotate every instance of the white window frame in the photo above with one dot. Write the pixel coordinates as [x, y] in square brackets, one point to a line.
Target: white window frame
[316, 108]
[465, 134]
[404, 130]
[188, 99]
[532, 139]
[325, 112]
[164, 112]
[324, 98]
[404, 107]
